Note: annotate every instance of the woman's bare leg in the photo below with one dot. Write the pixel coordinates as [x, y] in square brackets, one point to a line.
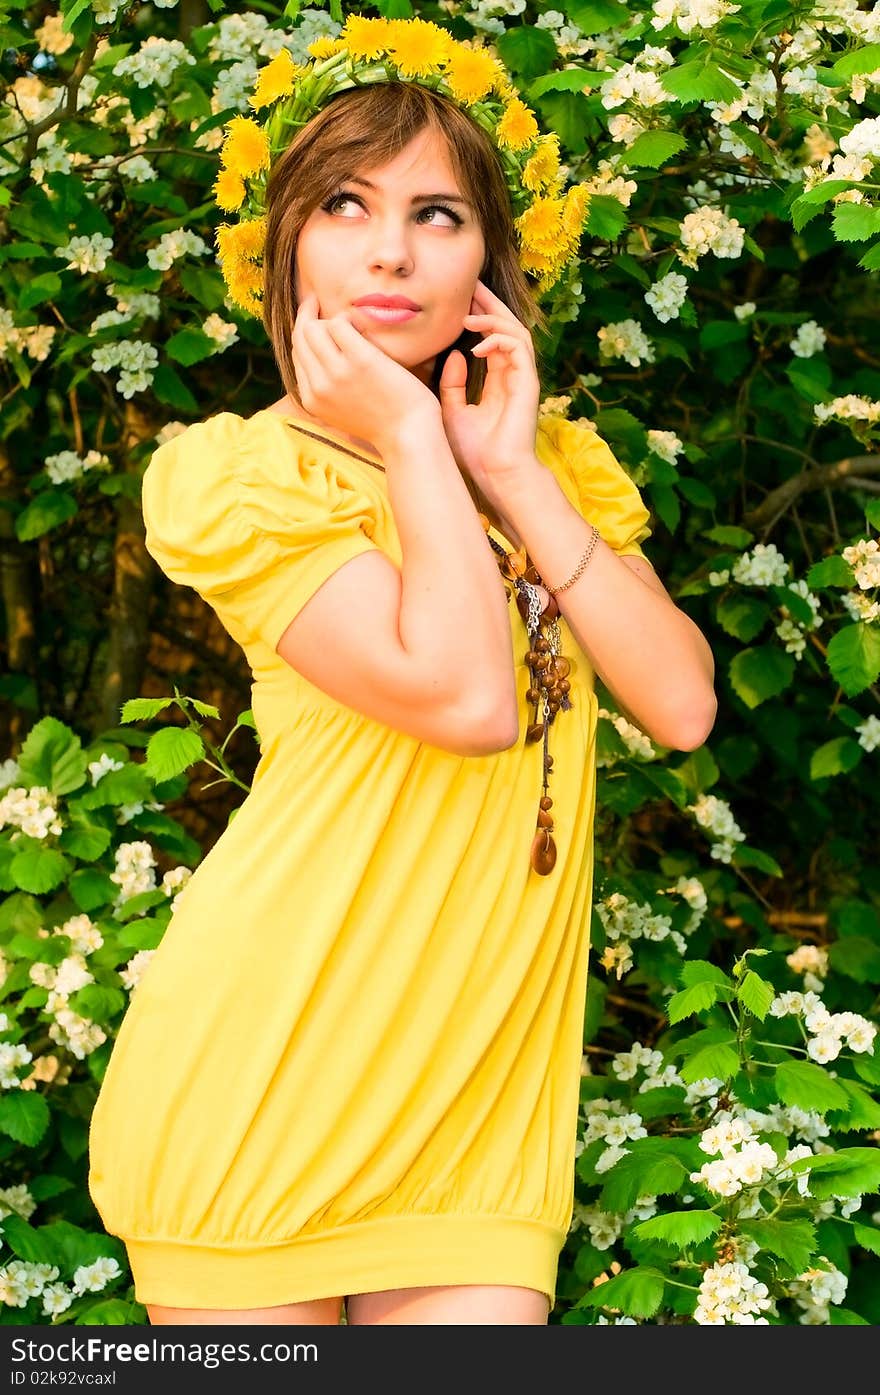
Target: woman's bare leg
[320, 1312]
[450, 1304]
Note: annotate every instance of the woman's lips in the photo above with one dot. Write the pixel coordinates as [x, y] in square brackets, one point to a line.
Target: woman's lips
[387, 314]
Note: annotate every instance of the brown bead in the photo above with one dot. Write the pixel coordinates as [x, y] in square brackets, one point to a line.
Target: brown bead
[546, 801]
[543, 645]
[531, 657]
[551, 609]
[548, 763]
[563, 667]
[535, 731]
[545, 818]
[564, 686]
[518, 561]
[540, 662]
[543, 856]
[533, 695]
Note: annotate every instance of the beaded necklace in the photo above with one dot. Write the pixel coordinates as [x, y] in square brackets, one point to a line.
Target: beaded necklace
[548, 679]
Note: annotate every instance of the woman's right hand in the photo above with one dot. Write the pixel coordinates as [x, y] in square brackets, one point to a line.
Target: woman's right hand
[347, 382]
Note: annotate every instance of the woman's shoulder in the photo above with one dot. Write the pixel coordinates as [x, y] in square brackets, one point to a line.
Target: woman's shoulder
[603, 488]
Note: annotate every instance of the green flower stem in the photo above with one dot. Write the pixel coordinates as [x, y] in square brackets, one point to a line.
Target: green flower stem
[223, 769]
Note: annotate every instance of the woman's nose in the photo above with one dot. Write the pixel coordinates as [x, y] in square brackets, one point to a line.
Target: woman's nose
[390, 247]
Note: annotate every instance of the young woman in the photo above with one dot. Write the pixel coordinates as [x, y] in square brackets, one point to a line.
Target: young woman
[351, 1072]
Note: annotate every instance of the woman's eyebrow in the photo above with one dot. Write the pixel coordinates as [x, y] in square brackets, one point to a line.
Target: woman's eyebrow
[417, 198]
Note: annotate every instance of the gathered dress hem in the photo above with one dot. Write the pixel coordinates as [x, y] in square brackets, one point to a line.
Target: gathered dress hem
[366, 1257]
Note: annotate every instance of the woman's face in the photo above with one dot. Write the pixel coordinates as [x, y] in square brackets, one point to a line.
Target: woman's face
[382, 234]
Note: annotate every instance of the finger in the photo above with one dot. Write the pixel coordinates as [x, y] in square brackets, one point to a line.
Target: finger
[504, 343]
[308, 369]
[481, 323]
[318, 335]
[453, 381]
[487, 300]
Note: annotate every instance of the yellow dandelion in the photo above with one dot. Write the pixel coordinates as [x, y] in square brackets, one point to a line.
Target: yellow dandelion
[541, 170]
[325, 47]
[536, 262]
[540, 227]
[229, 191]
[517, 129]
[418, 47]
[366, 38]
[246, 148]
[575, 210]
[245, 283]
[239, 243]
[276, 80]
[471, 72]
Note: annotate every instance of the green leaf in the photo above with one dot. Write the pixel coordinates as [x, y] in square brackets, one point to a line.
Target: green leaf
[653, 148]
[867, 1237]
[693, 1000]
[744, 856]
[635, 1292]
[190, 346]
[52, 755]
[742, 615]
[853, 657]
[729, 535]
[606, 217]
[702, 971]
[699, 82]
[855, 222]
[720, 1062]
[595, 16]
[143, 709]
[791, 1241]
[857, 957]
[836, 757]
[651, 1167]
[807, 1086]
[130, 785]
[718, 334]
[761, 673]
[39, 870]
[848, 1172]
[48, 510]
[860, 60]
[756, 995]
[863, 1111]
[24, 1116]
[173, 750]
[90, 889]
[72, 13]
[680, 1228]
[831, 571]
[87, 841]
[169, 387]
[871, 260]
[560, 80]
[204, 285]
[25, 1241]
[527, 50]
[39, 289]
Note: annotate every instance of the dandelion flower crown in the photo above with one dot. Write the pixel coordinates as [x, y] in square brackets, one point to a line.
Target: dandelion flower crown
[548, 222]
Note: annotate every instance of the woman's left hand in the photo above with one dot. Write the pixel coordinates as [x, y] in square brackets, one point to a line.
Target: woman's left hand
[493, 440]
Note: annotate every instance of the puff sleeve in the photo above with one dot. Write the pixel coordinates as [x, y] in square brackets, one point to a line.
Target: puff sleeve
[603, 490]
[255, 522]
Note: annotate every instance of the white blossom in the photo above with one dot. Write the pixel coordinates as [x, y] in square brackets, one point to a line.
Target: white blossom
[85, 254]
[627, 340]
[667, 296]
[869, 733]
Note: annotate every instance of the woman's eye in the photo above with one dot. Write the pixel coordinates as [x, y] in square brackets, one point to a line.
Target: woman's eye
[338, 201]
[448, 217]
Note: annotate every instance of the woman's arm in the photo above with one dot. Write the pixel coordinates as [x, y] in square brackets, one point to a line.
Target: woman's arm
[648, 653]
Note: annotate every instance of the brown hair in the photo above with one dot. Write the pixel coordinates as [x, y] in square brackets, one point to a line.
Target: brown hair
[368, 126]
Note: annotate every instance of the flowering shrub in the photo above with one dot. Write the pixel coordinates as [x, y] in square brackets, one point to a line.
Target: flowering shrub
[718, 333]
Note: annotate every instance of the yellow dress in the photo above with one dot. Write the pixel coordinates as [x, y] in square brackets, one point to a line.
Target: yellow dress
[353, 1063]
